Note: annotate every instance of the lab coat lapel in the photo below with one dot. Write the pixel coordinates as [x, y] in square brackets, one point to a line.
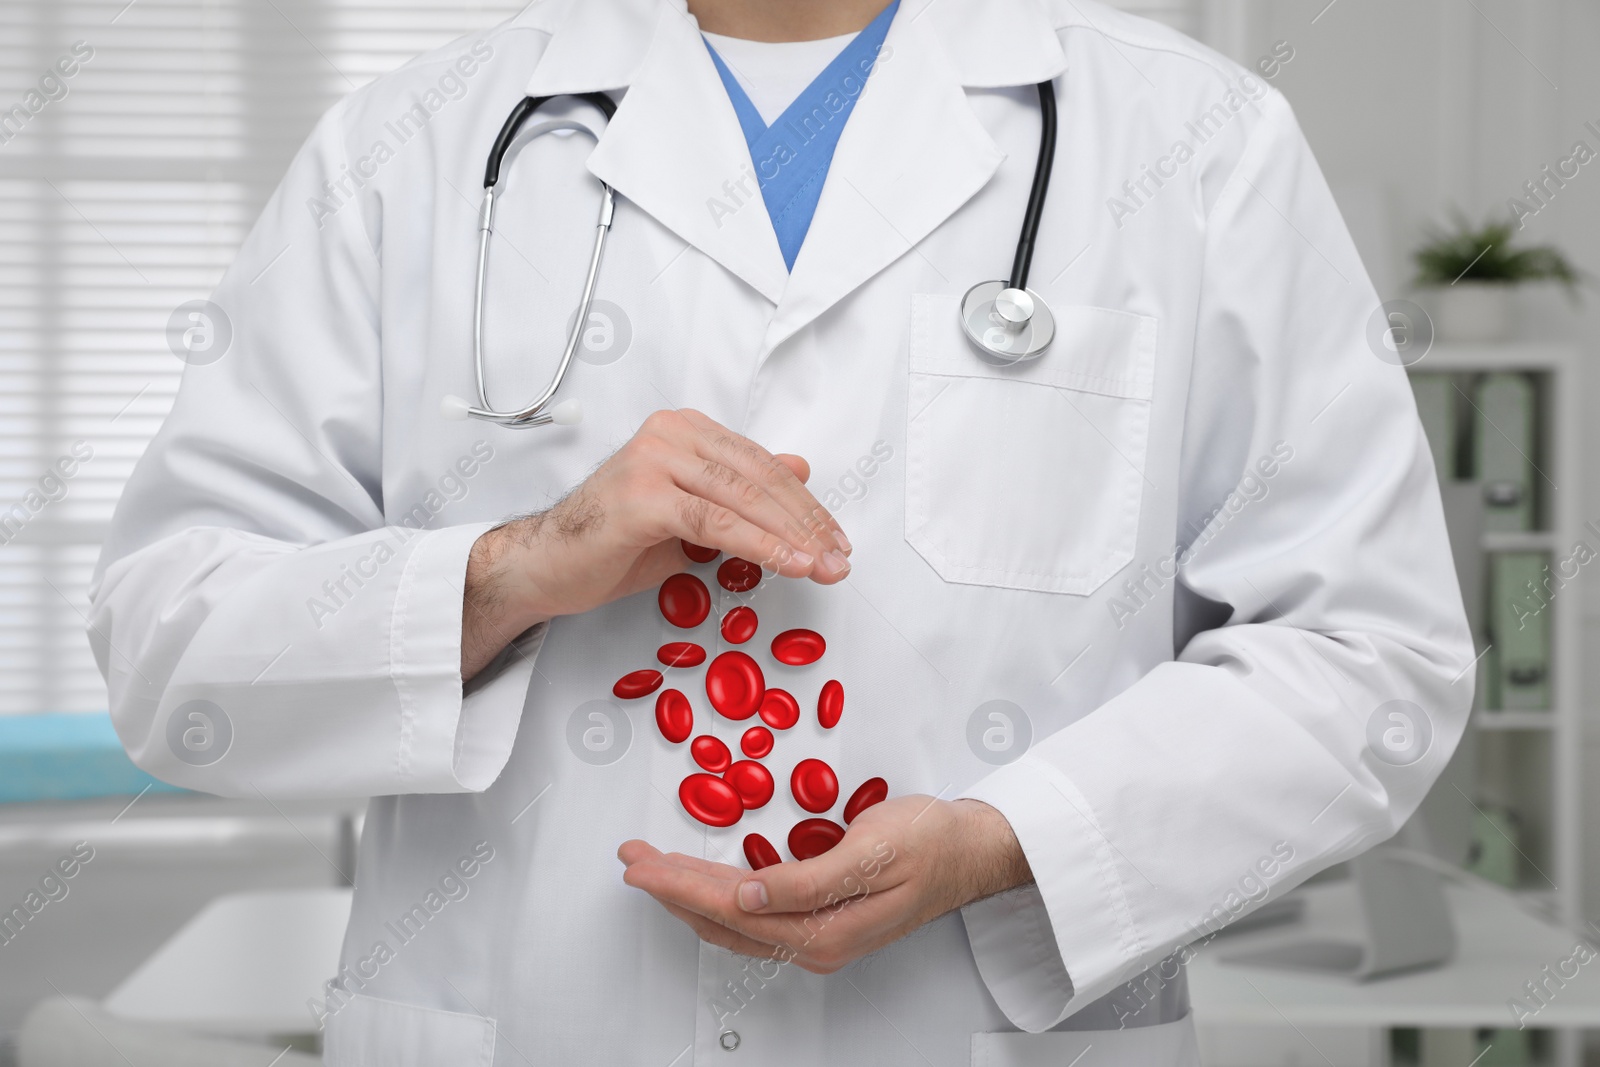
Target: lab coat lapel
[675, 150]
[911, 154]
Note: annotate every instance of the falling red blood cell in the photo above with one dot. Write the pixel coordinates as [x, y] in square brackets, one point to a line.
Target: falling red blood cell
[637, 684]
[810, 838]
[830, 704]
[738, 575]
[756, 742]
[779, 710]
[814, 785]
[684, 600]
[710, 799]
[739, 625]
[674, 716]
[758, 851]
[698, 553]
[798, 647]
[735, 685]
[681, 654]
[872, 791]
[710, 753]
[752, 782]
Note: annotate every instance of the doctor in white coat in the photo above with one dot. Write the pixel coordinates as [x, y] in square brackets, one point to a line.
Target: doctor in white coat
[1116, 627]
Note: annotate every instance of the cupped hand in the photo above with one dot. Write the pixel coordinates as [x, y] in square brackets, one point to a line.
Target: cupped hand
[901, 864]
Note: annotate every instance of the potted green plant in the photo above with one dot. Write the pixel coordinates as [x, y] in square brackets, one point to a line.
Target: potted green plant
[1472, 270]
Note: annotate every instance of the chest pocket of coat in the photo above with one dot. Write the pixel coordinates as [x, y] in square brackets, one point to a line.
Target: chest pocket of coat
[1028, 476]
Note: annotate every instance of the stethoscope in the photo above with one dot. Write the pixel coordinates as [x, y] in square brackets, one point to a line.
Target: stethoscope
[1005, 320]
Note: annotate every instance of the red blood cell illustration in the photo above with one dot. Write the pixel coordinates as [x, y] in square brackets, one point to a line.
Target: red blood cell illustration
[685, 601]
[738, 575]
[779, 710]
[674, 716]
[810, 838]
[830, 704]
[814, 785]
[798, 647]
[711, 800]
[710, 753]
[872, 791]
[735, 684]
[637, 684]
[751, 781]
[756, 742]
[758, 851]
[739, 625]
[681, 654]
[698, 553]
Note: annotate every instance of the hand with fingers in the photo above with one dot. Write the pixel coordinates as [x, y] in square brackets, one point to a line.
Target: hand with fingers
[902, 863]
[682, 476]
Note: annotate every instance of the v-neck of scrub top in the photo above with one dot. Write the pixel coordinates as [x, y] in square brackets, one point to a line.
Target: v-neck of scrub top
[791, 157]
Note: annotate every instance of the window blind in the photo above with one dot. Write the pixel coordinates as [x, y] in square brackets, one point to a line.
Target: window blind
[138, 141]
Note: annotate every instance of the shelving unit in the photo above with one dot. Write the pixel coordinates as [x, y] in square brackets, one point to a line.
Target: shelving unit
[1530, 759]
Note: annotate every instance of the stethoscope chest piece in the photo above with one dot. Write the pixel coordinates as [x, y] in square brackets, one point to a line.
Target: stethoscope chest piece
[1006, 325]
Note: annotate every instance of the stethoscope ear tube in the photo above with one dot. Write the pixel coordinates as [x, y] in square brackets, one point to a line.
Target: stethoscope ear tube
[535, 414]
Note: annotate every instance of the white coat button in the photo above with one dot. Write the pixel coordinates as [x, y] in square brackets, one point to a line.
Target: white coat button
[729, 1040]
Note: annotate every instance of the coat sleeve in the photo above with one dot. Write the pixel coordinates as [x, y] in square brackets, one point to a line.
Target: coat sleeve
[262, 629]
[1245, 762]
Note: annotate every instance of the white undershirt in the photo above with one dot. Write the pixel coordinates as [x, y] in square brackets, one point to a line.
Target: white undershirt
[773, 73]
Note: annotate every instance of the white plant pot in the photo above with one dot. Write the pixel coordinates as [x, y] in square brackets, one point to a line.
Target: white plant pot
[1472, 311]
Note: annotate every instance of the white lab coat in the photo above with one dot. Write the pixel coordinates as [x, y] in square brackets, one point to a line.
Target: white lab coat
[1193, 698]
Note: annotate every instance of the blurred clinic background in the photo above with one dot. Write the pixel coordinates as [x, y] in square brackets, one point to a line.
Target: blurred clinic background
[138, 141]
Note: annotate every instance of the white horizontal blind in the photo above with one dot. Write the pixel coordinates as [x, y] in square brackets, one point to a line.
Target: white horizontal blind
[125, 189]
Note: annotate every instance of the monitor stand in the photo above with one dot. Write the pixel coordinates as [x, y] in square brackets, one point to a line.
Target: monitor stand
[1405, 926]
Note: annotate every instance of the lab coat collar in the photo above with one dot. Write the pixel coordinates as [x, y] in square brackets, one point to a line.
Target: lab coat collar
[674, 147]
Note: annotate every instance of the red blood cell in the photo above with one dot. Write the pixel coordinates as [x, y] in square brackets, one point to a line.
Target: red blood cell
[779, 710]
[698, 553]
[814, 785]
[681, 654]
[798, 647]
[735, 685]
[637, 684]
[751, 781]
[684, 600]
[872, 791]
[756, 742]
[830, 704]
[710, 799]
[739, 625]
[759, 852]
[810, 838]
[738, 575]
[674, 716]
[710, 753]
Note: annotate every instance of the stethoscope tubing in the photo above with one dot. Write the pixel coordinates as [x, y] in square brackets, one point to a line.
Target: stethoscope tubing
[1040, 189]
[533, 414]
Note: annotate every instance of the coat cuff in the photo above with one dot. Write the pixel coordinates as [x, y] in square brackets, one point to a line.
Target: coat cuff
[1050, 948]
[452, 738]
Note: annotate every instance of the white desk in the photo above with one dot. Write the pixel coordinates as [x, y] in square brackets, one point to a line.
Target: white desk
[1499, 947]
[245, 965]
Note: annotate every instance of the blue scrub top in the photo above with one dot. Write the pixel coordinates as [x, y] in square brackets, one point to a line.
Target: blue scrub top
[792, 156]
